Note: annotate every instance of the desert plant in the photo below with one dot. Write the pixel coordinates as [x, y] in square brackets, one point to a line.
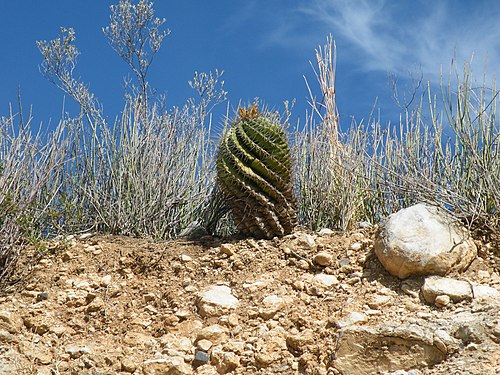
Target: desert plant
[443, 151]
[30, 166]
[254, 172]
[150, 173]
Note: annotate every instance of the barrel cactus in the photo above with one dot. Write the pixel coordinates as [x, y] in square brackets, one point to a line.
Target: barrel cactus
[255, 174]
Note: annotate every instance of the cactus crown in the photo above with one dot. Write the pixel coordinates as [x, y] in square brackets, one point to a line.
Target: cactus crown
[254, 173]
[249, 113]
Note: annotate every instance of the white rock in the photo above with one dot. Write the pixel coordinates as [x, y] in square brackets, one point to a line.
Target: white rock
[82, 284]
[457, 290]
[353, 318]
[325, 279]
[364, 224]
[356, 246]
[485, 291]
[379, 300]
[217, 300]
[182, 314]
[423, 239]
[106, 280]
[325, 231]
[215, 333]
[86, 235]
[272, 300]
[444, 341]
[356, 317]
[309, 241]
[483, 275]
[252, 287]
[204, 345]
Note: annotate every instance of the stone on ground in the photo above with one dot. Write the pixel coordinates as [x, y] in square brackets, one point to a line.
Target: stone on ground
[405, 347]
[217, 300]
[423, 239]
[457, 290]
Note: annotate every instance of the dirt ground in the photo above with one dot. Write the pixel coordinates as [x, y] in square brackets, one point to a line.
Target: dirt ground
[101, 304]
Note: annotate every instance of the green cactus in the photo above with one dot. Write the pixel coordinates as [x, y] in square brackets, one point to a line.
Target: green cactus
[254, 173]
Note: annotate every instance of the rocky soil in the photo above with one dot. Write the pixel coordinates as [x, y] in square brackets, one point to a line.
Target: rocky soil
[310, 303]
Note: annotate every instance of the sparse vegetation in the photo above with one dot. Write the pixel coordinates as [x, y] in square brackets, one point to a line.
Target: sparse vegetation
[449, 157]
[254, 171]
[151, 173]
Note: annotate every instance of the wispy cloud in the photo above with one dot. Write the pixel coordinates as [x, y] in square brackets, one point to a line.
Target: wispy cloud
[397, 37]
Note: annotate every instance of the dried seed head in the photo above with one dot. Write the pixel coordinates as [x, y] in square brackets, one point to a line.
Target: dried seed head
[249, 113]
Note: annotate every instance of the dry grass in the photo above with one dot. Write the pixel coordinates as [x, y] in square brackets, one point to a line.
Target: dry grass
[376, 169]
[151, 173]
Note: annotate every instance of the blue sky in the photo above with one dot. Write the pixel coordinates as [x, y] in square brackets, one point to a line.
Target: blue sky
[264, 47]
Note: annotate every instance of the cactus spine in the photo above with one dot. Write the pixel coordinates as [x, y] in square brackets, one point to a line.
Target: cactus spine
[254, 172]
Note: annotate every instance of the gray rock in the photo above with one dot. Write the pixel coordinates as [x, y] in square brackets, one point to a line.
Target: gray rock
[423, 239]
[42, 296]
[457, 290]
[85, 236]
[365, 224]
[200, 358]
[194, 231]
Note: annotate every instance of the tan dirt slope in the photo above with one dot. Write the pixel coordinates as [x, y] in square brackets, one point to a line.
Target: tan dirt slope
[118, 305]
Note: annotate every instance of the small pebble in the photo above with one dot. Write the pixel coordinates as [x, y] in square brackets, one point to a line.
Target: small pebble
[106, 280]
[204, 345]
[200, 358]
[323, 259]
[42, 296]
[442, 300]
[356, 246]
[325, 231]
